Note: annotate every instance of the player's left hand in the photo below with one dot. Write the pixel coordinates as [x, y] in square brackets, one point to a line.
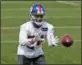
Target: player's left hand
[56, 40]
[55, 43]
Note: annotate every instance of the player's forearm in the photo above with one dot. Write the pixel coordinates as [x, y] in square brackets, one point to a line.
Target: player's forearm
[51, 39]
[24, 42]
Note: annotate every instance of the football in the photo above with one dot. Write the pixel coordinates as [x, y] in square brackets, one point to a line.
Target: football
[66, 40]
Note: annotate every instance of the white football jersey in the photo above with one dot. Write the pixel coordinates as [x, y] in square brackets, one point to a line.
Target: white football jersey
[28, 31]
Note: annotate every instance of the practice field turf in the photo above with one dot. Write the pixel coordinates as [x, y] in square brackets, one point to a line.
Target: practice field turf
[66, 18]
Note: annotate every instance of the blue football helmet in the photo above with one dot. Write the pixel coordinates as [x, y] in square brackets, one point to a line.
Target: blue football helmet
[37, 13]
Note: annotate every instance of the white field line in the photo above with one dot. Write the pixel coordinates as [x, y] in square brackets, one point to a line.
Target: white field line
[10, 28]
[54, 26]
[68, 2]
[18, 42]
[25, 9]
[30, 2]
[56, 17]
[24, 2]
[67, 26]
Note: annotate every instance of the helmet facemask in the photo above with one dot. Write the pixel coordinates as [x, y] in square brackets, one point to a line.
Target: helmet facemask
[38, 19]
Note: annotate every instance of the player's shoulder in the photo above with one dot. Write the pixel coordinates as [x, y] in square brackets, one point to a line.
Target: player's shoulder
[26, 24]
[48, 25]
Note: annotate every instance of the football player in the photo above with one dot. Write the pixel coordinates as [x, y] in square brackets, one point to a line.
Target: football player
[31, 36]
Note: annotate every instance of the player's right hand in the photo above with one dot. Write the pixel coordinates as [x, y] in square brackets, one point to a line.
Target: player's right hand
[32, 41]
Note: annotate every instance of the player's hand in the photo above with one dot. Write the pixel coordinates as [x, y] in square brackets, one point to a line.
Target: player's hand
[31, 41]
[39, 39]
[55, 42]
[56, 39]
[53, 45]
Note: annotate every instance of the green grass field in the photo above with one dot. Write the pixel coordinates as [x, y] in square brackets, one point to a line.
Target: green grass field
[65, 16]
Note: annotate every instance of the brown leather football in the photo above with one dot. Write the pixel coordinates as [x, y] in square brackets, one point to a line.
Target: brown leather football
[67, 40]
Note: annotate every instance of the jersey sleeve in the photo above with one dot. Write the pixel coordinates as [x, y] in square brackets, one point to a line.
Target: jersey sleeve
[23, 36]
[50, 36]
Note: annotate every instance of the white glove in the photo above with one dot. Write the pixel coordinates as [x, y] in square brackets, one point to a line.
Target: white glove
[54, 41]
[33, 41]
[38, 38]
